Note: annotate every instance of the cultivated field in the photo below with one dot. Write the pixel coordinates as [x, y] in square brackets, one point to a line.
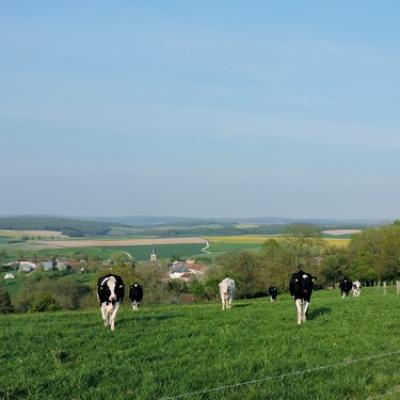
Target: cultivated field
[349, 349]
[225, 243]
[340, 232]
[18, 234]
[119, 243]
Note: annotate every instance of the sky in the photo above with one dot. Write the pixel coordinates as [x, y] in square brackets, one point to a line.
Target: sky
[200, 109]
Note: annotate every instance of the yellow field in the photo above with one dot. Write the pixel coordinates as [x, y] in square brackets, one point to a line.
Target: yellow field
[262, 238]
[15, 234]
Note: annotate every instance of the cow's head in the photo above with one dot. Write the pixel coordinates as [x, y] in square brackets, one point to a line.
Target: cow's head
[110, 283]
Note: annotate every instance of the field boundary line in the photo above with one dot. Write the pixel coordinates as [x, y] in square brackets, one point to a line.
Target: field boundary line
[345, 363]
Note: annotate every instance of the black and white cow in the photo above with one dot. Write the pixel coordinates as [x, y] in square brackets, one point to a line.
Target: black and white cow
[110, 293]
[135, 295]
[301, 286]
[345, 285]
[273, 293]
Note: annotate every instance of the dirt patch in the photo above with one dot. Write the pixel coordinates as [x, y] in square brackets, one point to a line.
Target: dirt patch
[120, 243]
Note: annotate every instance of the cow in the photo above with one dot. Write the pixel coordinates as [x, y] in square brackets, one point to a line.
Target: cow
[356, 288]
[110, 293]
[135, 295]
[345, 285]
[273, 293]
[301, 286]
[227, 289]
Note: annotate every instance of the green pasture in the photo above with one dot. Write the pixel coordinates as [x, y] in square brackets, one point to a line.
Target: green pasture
[166, 352]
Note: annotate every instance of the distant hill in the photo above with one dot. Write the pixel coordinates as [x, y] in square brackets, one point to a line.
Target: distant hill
[68, 226]
[189, 221]
[159, 226]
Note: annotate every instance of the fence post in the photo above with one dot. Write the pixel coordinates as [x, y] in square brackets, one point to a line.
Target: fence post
[397, 287]
[384, 287]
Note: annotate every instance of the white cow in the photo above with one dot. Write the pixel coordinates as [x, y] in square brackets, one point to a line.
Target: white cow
[356, 288]
[227, 289]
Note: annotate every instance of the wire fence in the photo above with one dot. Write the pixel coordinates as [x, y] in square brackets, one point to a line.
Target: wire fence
[345, 363]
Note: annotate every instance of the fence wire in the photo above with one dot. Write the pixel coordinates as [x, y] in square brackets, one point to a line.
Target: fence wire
[345, 363]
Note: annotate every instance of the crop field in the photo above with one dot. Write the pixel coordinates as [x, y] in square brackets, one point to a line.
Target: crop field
[348, 349]
[120, 242]
[18, 234]
[219, 244]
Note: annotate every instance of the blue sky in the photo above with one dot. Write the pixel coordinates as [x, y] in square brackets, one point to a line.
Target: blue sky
[219, 109]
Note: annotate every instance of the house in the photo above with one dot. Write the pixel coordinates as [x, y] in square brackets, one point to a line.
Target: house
[187, 272]
[62, 265]
[48, 265]
[27, 266]
[179, 266]
[198, 268]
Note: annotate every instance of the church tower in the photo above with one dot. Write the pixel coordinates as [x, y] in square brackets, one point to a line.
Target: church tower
[153, 254]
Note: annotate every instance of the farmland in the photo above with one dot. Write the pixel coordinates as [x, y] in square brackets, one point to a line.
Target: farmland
[141, 248]
[39, 234]
[166, 351]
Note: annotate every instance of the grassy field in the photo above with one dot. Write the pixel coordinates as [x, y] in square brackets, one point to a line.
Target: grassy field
[167, 351]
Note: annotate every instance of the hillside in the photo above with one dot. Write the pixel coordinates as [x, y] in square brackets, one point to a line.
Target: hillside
[67, 226]
[253, 351]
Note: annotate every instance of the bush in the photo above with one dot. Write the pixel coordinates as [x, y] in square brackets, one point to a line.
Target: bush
[49, 294]
[36, 302]
[5, 302]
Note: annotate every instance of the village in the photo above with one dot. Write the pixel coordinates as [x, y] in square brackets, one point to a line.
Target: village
[184, 270]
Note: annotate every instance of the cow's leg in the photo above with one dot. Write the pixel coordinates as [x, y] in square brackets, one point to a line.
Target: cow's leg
[223, 302]
[299, 310]
[113, 316]
[343, 295]
[305, 308]
[104, 314]
[135, 305]
[230, 301]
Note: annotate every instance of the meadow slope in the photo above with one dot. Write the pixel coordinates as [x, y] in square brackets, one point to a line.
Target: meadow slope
[166, 351]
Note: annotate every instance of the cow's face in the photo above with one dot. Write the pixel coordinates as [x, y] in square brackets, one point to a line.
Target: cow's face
[110, 283]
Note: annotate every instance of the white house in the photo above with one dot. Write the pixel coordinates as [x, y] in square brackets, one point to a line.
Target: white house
[27, 266]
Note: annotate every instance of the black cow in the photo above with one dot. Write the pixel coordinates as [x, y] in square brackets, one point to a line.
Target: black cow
[301, 286]
[136, 295]
[345, 285]
[110, 293]
[273, 293]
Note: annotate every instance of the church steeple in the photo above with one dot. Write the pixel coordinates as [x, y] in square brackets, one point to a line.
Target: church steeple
[153, 254]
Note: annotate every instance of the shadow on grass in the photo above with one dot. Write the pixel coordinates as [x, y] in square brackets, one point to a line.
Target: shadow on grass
[126, 320]
[240, 305]
[318, 312]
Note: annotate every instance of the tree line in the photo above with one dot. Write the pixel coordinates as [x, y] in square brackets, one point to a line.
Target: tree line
[373, 255]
